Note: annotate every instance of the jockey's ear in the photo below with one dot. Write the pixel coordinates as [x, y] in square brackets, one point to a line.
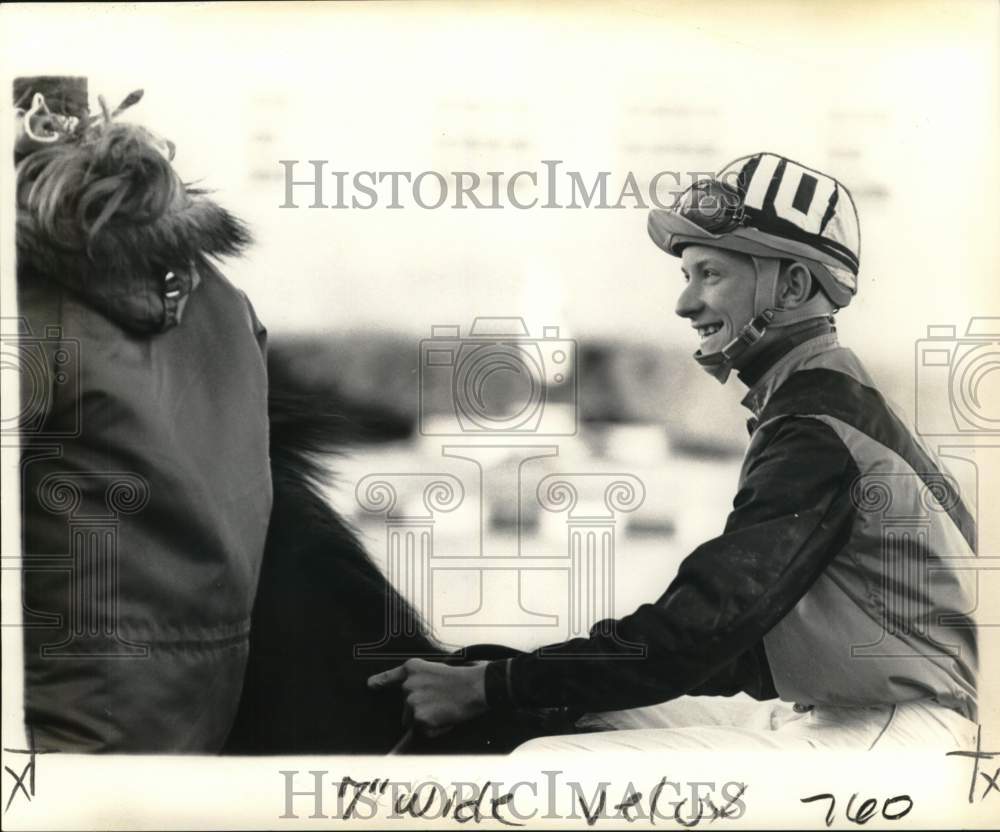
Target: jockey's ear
[799, 288]
[795, 284]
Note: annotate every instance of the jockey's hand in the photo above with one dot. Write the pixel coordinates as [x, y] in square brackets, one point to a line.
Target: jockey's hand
[438, 696]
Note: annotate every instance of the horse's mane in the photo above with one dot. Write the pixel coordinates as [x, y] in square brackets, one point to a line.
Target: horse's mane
[72, 189]
[320, 596]
[307, 432]
[105, 209]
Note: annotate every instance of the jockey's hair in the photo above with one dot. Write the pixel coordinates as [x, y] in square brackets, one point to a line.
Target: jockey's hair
[115, 173]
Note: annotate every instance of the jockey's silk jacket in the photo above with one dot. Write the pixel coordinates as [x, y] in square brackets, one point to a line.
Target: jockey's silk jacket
[835, 581]
[145, 484]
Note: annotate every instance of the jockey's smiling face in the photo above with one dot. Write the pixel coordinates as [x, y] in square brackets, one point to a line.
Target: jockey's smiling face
[718, 297]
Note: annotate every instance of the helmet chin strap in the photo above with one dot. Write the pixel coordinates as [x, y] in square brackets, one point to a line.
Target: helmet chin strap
[767, 314]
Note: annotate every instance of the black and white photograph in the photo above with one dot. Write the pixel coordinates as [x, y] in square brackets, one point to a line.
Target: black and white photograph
[557, 415]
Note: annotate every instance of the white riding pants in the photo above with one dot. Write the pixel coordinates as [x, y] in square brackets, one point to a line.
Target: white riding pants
[740, 723]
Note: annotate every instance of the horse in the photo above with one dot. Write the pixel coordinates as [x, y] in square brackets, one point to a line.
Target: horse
[320, 596]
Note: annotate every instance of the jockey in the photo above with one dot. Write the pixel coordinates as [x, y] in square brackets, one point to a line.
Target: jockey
[145, 477]
[800, 626]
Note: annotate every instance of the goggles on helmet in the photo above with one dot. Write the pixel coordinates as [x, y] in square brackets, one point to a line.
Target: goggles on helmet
[713, 206]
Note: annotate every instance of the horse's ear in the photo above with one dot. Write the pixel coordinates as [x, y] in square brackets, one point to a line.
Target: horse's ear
[129, 100]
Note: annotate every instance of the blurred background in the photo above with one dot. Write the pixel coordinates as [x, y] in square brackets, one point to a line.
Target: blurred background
[897, 100]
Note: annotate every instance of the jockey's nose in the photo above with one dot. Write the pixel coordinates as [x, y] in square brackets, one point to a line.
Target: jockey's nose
[689, 302]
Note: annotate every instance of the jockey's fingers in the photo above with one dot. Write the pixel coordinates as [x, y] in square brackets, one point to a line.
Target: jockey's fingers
[389, 677]
[413, 665]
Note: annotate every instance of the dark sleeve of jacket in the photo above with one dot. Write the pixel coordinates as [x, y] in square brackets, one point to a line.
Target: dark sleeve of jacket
[791, 516]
